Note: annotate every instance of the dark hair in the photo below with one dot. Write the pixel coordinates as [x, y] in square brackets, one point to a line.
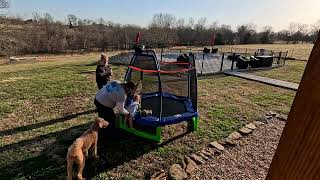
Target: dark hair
[130, 85]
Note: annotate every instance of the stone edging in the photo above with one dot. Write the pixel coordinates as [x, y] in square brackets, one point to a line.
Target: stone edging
[213, 149]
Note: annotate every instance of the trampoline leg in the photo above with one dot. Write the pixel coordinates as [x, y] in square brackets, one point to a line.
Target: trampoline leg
[193, 124]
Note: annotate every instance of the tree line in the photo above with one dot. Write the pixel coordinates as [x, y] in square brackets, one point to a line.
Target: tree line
[43, 34]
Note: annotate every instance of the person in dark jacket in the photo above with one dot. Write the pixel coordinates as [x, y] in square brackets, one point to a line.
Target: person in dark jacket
[103, 72]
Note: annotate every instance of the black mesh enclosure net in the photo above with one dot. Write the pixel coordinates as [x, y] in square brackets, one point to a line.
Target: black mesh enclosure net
[165, 86]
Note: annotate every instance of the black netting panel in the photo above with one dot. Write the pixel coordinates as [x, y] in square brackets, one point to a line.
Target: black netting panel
[173, 67]
[176, 84]
[145, 62]
[172, 107]
[153, 104]
[193, 88]
[150, 83]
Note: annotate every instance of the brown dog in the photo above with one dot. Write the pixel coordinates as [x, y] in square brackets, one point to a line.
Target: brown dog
[78, 151]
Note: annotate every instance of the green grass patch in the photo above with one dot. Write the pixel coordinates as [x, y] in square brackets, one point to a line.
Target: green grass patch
[291, 72]
[45, 106]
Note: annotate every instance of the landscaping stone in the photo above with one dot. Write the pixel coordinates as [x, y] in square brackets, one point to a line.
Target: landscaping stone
[231, 142]
[269, 117]
[273, 113]
[159, 175]
[204, 157]
[258, 123]
[222, 142]
[197, 159]
[282, 117]
[251, 126]
[235, 136]
[190, 165]
[245, 130]
[211, 151]
[207, 153]
[217, 145]
[177, 173]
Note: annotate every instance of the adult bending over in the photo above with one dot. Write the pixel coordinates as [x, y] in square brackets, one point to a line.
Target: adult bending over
[112, 95]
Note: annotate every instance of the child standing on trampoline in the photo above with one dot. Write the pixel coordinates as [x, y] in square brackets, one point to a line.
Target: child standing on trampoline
[103, 71]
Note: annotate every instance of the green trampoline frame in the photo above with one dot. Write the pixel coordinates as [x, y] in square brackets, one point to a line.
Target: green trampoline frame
[121, 124]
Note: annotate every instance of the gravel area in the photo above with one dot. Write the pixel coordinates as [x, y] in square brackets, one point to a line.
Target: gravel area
[249, 159]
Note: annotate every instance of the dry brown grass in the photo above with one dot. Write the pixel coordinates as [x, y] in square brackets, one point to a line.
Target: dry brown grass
[42, 113]
[298, 51]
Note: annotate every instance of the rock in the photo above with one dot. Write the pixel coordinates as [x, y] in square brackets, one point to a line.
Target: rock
[235, 136]
[231, 142]
[211, 151]
[197, 159]
[177, 173]
[245, 130]
[204, 157]
[258, 123]
[190, 165]
[251, 126]
[159, 175]
[206, 153]
[268, 117]
[217, 145]
[271, 113]
[282, 117]
[222, 142]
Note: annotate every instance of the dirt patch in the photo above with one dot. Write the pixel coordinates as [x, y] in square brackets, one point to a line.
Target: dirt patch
[250, 159]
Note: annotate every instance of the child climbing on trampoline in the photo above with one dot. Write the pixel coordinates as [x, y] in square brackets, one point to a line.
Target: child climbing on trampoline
[133, 109]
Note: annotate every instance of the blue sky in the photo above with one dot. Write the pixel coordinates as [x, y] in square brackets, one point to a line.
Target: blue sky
[276, 13]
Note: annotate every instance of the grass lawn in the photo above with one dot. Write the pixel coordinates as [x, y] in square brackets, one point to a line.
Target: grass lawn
[291, 72]
[46, 105]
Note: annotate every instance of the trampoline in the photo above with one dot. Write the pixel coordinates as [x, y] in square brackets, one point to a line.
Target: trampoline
[169, 89]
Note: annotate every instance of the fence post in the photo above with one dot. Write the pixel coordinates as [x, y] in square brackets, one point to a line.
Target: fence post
[279, 58]
[246, 51]
[222, 62]
[161, 54]
[202, 63]
[233, 57]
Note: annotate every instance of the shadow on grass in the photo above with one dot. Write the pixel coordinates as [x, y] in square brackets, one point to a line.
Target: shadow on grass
[114, 148]
[42, 124]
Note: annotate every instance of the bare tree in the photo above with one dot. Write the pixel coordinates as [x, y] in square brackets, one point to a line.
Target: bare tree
[265, 35]
[4, 4]
[247, 33]
[72, 20]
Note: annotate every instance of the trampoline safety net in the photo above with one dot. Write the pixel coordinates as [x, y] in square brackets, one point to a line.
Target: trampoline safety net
[168, 89]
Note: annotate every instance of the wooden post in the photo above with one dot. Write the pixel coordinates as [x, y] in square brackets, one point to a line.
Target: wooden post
[161, 54]
[222, 62]
[298, 152]
[233, 57]
[202, 63]
[279, 58]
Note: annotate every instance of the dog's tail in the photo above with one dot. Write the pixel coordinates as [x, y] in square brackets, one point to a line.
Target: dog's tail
[69, 168]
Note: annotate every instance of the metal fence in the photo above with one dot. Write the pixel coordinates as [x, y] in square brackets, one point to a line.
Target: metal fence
[207, 63]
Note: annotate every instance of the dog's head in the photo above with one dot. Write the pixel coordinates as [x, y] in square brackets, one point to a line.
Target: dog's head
[101, 123]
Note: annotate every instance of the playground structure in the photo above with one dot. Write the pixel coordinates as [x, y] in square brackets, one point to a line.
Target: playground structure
[169, 89]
